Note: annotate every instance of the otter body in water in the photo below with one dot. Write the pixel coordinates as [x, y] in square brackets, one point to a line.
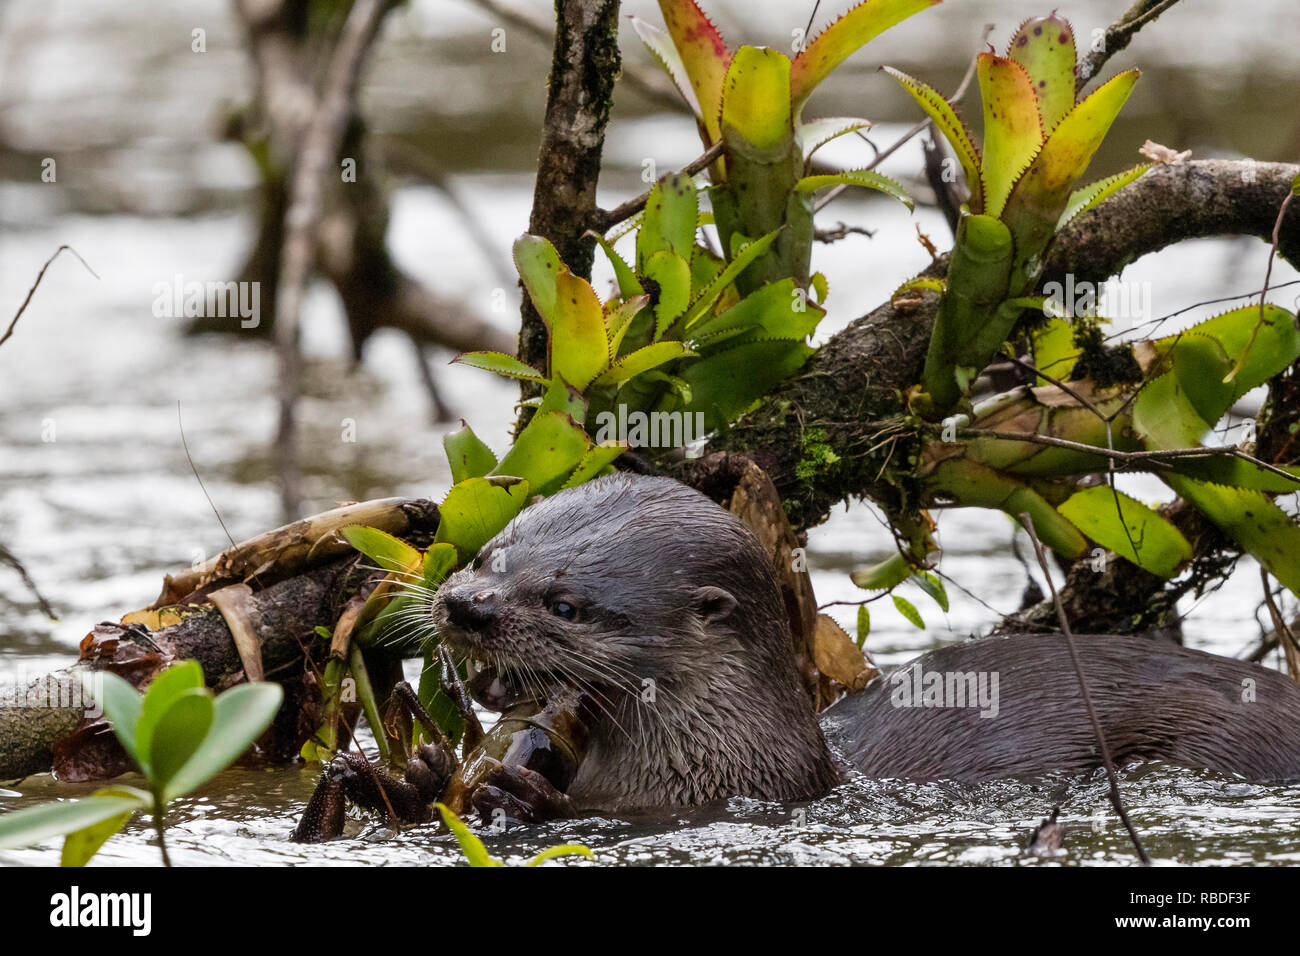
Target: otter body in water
[664, 606]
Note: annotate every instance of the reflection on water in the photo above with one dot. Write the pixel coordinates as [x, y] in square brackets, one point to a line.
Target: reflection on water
[97, 498]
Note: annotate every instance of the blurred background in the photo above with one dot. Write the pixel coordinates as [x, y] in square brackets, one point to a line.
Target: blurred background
[96, 496]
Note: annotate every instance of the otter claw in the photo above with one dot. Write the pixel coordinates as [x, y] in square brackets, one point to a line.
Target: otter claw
[523, 795]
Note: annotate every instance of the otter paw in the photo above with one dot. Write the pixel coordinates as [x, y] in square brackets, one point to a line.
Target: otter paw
[519, 795]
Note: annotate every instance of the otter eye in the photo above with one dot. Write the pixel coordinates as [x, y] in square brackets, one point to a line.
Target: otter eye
[564, 610]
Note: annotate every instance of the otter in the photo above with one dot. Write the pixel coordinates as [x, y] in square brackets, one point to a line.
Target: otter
[664, 607]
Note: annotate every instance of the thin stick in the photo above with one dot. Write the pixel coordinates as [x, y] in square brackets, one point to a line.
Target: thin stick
[9, 558]
[1117, 37]
[1115, 800]
[32, 291]
[604, 219]
[190, 459]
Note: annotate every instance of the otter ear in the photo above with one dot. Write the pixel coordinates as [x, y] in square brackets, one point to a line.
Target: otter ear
[714, 604]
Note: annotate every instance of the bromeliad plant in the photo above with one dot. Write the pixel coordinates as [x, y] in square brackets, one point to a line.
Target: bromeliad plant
[180, 736]
[1094, 409]
[751, 101]
[1038, 142]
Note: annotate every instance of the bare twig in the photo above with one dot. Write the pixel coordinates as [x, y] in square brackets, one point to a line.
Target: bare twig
[8, 557]
[1117, 37]
[32, 291]
[188, 457]
[320, 145]
[1115, 799]
[604, 219]
[1286, 637]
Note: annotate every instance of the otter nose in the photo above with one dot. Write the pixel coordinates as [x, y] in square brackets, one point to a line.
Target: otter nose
[471, 609]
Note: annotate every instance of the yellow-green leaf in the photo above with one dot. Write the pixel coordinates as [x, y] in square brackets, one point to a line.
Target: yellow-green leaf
[500, 363]
[642, 360]
[475, 510]
[579, 349]
[704, 56]
[953, 129]
[1012, 128]
[1141, 535]
[756, 102]
[852, 31]
[1044, 46]
[857, 177]
[539, 265]
[468, 456]
[544, 454]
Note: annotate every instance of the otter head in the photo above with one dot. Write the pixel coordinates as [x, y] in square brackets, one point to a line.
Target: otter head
[664, 607]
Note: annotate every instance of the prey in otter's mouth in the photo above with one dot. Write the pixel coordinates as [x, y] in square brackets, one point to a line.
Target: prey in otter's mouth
[663, 607]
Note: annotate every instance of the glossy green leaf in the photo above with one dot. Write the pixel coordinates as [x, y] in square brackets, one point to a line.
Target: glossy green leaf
[756, 104]
[539, 265]
[80, 845]
[642, 360]
[933, 586]
[476, 510]
[857, 177]
[1013, 132]
[239, 716]
[544, 454]
[467, 454]
[704, 56]
[122, 705]
[500, 363]
[166, 687]
[953, 129]
[178, 734]
[777, 309]
[882, 576]
[852, 31]
[388, 552]
[1142, 535]
[579, 349]
[1044, 46]
[561, 397]
[32, 825]
[864, 624]
[909, 611]
[1054, 350]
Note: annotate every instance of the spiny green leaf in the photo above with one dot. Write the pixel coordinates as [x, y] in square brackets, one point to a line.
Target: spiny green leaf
[539, 265]
[544, 454]
[476, 510]
[953, 129]
[578, 346]
[739, 262]
[1013, 131]
[857, 177]
[704, 56]
[628, 284]
[661, 48]
[619, 320]
[672, 274]
[1044, 46]
[439, 561]
[671, 215]
[1089, 197]
[642, 360]
[388, 552]
[932, 586]
[501, 364]
[725, 384]
[595, 461]
[852, 31]
[1142, 536]
[467, 454]
[756, 103]
[815, 134]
